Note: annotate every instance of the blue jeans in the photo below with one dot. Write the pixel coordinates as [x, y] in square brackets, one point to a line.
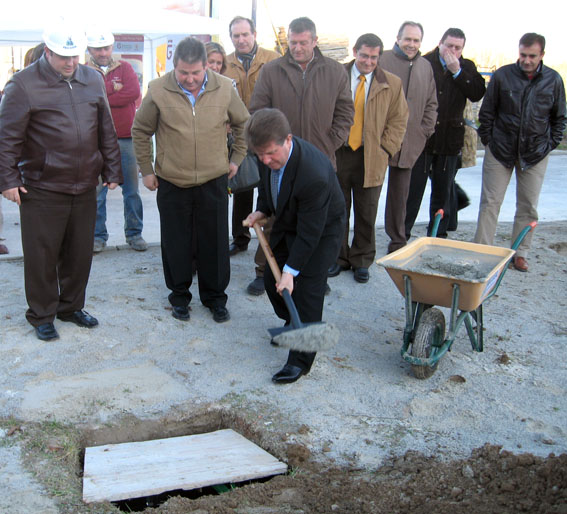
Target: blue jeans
[133, 212]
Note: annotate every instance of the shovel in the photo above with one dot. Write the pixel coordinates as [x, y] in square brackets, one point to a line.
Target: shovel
[302, 337]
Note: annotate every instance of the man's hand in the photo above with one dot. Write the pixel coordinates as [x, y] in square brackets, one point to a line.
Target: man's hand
[110, 185]
[252, 218]
[451, 61]
[232, 169]
[14, 194]
[286, 282]
[151, 182]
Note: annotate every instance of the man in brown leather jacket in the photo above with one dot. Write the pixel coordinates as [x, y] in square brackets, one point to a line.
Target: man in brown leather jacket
[56, 138]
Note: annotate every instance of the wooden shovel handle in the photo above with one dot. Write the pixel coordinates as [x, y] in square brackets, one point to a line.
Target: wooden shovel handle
[267, 250]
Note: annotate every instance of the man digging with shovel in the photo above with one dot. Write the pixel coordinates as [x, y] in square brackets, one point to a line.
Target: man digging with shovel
[299, 185]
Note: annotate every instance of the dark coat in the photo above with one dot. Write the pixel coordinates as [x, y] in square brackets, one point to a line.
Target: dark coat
[452, 94]
[522, 120]
[317, 102]
[311, 207]
[55, 134]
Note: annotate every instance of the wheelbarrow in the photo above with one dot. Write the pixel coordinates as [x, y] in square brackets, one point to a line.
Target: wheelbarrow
[433, 272]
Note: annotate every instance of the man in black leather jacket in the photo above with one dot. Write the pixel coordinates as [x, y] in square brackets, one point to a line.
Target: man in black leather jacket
[522, 119]
[456, 80]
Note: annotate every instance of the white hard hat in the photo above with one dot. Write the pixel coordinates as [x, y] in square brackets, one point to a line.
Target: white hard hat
[99, 38]
[65, 38]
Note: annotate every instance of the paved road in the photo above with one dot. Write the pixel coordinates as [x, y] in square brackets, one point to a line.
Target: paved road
[552, 206]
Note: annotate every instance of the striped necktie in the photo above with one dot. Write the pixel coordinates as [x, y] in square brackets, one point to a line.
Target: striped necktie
[274, 183]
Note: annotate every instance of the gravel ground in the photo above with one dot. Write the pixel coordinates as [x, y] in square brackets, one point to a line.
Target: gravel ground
[359, 407]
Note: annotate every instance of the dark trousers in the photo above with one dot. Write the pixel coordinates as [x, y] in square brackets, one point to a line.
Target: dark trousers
[442, 170]
[350, 172]
[309, 287]
[242, 205]
[443, 193]
[395, 214]
[57, 241]
[418, 183]
[196, 212]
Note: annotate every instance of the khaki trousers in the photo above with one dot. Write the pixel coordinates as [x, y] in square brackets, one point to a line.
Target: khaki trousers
[495, 180]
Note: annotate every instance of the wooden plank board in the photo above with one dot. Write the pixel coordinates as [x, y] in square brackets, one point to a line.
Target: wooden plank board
[132, 470]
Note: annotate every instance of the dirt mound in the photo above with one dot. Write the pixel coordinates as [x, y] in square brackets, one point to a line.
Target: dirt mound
[491, 480]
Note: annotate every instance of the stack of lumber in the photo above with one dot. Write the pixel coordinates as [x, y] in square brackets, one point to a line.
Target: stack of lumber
[335, 47]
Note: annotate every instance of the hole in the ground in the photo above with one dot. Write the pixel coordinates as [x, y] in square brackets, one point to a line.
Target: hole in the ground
[141, 504]
[131, 429]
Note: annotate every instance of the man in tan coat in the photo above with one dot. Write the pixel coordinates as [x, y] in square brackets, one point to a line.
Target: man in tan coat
[187, 109]
[243, 66]
[405, 61]
[376, 135]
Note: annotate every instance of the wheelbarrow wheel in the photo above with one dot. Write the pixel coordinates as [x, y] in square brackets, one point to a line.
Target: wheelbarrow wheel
[429, 336]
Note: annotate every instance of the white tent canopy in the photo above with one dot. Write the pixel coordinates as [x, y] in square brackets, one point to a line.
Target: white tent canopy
[20, 25]
[23, 24]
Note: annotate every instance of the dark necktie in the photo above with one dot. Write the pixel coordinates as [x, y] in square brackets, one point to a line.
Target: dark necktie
[274, 182]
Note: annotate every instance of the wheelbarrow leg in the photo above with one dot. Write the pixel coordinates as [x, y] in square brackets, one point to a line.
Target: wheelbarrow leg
[414, 311]
[476, 333]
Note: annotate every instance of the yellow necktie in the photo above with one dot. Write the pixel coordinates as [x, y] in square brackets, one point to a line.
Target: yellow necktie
[355, 137]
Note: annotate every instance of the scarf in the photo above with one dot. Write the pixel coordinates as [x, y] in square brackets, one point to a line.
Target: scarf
[247, 59]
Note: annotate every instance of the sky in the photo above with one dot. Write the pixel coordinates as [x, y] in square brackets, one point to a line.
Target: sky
[492, 26]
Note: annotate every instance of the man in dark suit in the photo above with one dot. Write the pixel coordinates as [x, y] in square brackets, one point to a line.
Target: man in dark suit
[299, 186]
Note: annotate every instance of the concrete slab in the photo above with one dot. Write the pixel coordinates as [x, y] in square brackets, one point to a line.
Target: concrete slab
[100, 394]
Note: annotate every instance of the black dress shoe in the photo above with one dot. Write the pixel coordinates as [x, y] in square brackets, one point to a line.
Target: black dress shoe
[233, 249]
[220, 313]
[335, 269]
[256, 287]
[180, 312]
[288, 374]
[361, 275]
[46, 332]
[80, 318]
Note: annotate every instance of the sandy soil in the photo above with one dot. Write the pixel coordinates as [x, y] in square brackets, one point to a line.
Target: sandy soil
[345, 429]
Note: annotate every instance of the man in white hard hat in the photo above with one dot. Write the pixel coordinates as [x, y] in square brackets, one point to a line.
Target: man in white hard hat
[122, 90]
[56, 139]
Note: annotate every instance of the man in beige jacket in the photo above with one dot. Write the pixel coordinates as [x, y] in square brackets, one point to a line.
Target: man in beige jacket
[243, 66]
[187, 110]
[405, 61]
[363, 159]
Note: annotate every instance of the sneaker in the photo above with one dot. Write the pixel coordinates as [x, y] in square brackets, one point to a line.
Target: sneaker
[138, 243]
[99, 245]
[256, 287]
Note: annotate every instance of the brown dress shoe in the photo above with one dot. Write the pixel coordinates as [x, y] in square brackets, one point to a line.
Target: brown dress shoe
[520, 264]
[3, 250]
